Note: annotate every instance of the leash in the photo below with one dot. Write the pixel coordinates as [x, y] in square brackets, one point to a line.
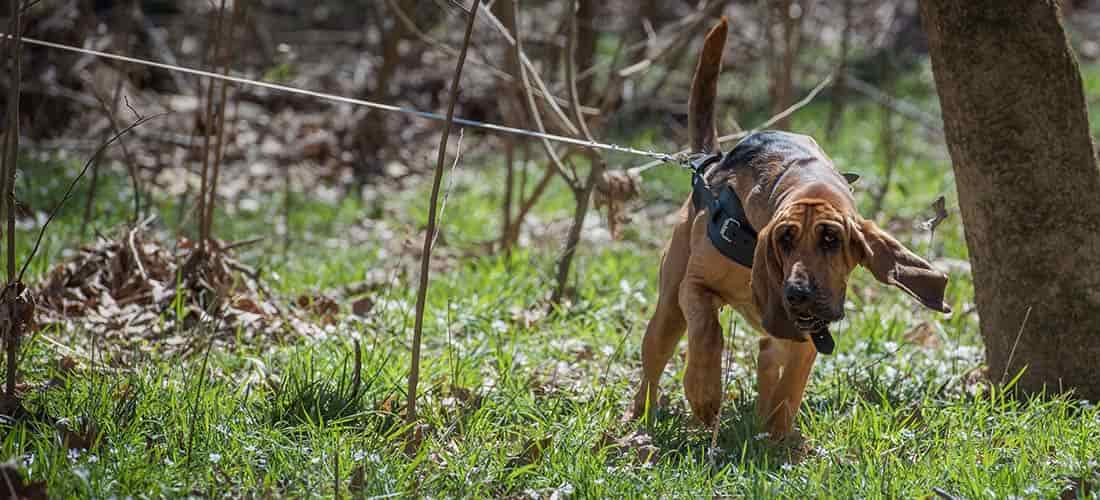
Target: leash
[658, 157]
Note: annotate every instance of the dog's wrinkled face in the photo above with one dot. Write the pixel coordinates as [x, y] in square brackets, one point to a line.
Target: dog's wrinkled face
[812, 245]
[805, 255]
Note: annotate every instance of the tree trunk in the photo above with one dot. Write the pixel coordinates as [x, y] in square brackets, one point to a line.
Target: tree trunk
[1017, 129]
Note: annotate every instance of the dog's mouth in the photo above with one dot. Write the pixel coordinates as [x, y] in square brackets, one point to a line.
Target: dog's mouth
[810, 323]
[818, 331]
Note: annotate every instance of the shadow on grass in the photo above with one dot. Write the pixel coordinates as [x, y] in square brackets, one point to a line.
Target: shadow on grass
[741, 441]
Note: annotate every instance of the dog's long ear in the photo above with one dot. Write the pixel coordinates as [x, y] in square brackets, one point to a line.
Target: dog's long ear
[704, 91]
[767, 288]
[893, 264]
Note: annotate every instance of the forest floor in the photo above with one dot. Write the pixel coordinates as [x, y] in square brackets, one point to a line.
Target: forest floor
[518, 400]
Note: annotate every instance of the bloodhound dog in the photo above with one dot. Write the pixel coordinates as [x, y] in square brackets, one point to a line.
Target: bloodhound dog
[810, 238]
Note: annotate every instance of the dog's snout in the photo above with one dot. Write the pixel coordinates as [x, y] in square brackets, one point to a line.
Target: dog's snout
[797, 293]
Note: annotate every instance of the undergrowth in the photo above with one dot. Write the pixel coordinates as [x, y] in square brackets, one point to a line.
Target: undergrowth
[519, 401]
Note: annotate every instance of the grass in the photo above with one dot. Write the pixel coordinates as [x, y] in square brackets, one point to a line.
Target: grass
[518, 403]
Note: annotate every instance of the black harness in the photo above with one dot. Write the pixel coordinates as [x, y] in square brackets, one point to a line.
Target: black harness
[728, 228]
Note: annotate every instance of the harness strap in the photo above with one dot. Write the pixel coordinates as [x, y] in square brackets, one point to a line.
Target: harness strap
[728, 228]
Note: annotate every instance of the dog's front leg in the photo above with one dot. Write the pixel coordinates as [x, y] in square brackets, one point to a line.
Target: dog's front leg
[703, 377]
[783, 369]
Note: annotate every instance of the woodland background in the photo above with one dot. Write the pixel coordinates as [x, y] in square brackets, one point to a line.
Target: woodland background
[247, 331]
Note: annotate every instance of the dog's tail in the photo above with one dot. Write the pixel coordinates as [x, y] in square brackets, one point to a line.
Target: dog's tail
[704, 91]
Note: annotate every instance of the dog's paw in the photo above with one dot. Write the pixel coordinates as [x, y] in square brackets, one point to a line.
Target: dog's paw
[704, 404]
[705, 399]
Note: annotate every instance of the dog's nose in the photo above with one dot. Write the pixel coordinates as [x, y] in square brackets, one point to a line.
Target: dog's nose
[797, 293]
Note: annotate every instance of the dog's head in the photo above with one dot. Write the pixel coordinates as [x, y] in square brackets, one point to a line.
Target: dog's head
[805, 255]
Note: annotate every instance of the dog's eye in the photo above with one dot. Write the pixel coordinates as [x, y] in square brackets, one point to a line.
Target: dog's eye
[786, 240]
[829, 240]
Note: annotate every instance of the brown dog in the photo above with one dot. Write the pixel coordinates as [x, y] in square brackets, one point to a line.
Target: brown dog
[810, 240]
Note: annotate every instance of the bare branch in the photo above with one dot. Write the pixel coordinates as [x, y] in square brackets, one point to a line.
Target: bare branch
[555, 160]
[740, 135]
[498, 73]
[219, 144]
[207, 124]
[69, 191]
[426, 256]
[564, 120]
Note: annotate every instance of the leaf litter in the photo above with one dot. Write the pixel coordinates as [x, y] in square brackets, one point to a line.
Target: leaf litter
[139, 297]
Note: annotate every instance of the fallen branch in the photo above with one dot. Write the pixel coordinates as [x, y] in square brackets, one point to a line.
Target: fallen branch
[426, 256]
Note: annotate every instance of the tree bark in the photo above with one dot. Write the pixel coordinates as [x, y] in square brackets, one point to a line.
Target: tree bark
[1017, 129]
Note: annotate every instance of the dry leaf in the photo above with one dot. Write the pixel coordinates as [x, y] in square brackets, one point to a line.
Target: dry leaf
[583, 353]
[532, 452]
[356, 483]
[924, 335]
[642, 444]
[615, 189]
[322, 307]
[15, 486]
[1078, 487]
[939, 214]
[80, 435]
[362, 306]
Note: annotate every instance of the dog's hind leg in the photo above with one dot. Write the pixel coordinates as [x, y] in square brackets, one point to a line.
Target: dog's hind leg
[703, 377]
[667, 324]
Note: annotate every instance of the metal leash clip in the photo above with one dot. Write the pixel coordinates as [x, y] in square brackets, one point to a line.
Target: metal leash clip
[698, 162]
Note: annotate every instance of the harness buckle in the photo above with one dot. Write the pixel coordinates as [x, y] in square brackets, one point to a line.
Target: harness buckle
[726, 225]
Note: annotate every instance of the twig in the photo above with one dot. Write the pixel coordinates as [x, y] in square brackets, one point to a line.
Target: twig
[940, 492]
[722, 397]
[529, 203]
[840, 91]
[219, 144]
[555, 160]
[131, 164]
[450, 185]
[136, 255]
[12, 300]
[498, 73]
[890, 153]
[571, 72]
[89, 205]
[509, 186]
[426, 256]
[69, 191]
[208, 117]
[679, 26]
[11, 143]
[1012, 352]
[242, 243]
[930, 122]
[525, 63]
[164, 50]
